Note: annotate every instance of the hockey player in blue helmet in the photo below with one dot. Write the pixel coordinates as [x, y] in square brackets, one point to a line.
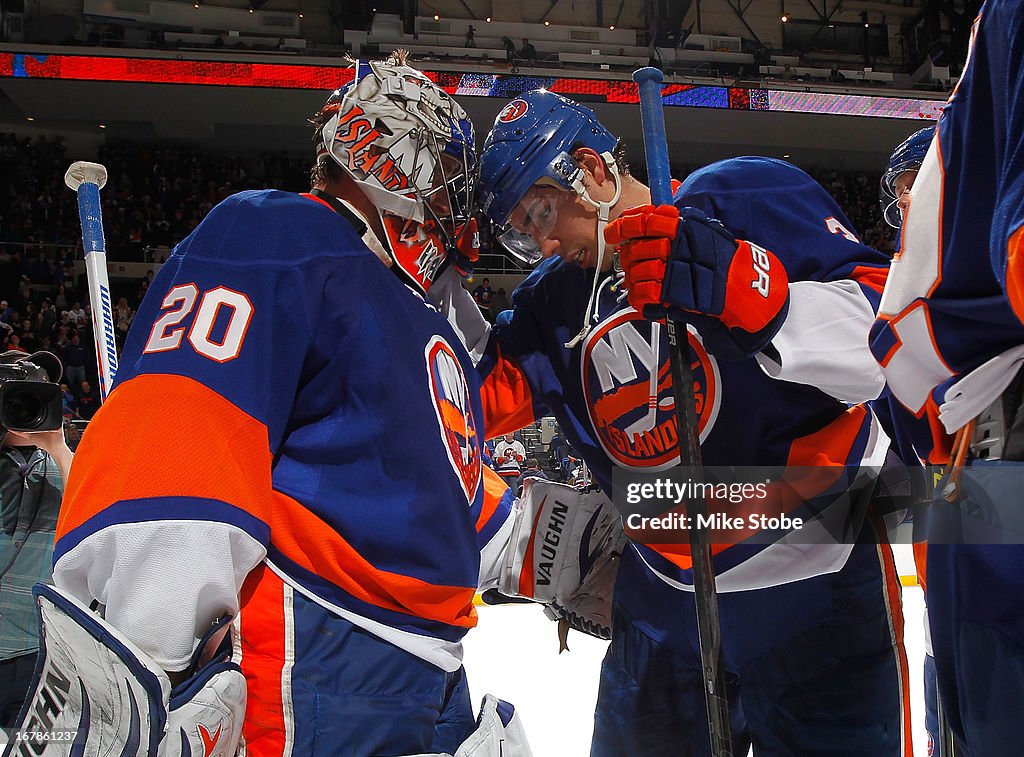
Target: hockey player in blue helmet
[780, 376]
[900, 173]
[349, 584]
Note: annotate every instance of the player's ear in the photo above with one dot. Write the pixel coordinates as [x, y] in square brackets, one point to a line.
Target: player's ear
[591, 163]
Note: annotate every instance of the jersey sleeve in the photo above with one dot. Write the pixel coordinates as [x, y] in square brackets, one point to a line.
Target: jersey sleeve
[835, 281]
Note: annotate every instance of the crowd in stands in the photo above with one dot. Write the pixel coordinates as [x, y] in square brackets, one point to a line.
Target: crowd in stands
[155, 195]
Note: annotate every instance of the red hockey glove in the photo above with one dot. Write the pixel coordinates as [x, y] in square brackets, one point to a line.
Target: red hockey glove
[686, 261]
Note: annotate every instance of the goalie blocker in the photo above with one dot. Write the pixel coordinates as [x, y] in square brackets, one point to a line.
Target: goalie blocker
[564, 552]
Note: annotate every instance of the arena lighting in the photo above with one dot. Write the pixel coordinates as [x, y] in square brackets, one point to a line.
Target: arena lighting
[611, 28]
[785, 18]
[437, 17]
[547, 23]
[488, 19]
[301, 16]
[103, 126]
[299, 76]
[30, 118]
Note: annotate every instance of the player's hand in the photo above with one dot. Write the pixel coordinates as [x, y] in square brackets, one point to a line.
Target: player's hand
[683, 260]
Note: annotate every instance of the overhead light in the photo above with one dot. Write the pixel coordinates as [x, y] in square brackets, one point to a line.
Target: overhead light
[867, 25]
[785, 18]
[547, 23]
[831, 26]
[103, 126]
[786, 155]
[301, 16]
[251, 10]
[195, 5]
[437, 17]
[30, 118]
[488, 19]
[611, 28]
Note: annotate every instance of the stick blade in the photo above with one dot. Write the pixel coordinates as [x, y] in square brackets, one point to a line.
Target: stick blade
[83, 172]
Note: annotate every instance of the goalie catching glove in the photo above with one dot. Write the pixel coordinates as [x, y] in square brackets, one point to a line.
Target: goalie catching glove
[564, 552]
[735, 293]
[93, 684]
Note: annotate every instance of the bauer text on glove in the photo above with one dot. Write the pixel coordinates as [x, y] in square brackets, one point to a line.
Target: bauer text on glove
[685, 261]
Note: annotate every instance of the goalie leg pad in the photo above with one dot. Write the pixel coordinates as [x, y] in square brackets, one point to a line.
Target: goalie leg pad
[91, 684]
[564, 552]
[95, 685]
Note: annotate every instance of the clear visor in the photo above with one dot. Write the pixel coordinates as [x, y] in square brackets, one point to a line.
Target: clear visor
[532, 222]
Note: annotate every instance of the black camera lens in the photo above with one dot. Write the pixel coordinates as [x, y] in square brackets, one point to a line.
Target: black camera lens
[30, 406]
[25, 408]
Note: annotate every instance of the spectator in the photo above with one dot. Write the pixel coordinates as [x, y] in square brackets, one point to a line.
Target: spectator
[470, 41]
[509, 455]
[788, 73]
[123, 314]
[88, 401]
[533, 470]
[499, 302]
[75, 355]
[76, 312]
[835, 75]
[33, 468]
[483, 294]
[510, 48]
[528, 52]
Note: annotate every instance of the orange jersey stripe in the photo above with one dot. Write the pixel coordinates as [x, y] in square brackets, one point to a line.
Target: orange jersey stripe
[262, 624]
[506, 399]
[827, 448]
[873, 278]
[235, 468]
[494, 490]
[232, 466]
[1015, 272]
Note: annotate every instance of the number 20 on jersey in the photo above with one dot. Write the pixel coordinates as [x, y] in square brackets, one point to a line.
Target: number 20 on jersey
[214, 306]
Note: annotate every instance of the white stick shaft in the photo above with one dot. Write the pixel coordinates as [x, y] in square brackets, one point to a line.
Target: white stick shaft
[94, 244]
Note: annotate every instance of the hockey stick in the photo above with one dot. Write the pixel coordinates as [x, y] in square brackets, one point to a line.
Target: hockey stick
[87, 179]
[709, 629]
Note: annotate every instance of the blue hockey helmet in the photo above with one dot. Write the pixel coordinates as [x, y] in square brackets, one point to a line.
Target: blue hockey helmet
[531, 141]
[908, 156]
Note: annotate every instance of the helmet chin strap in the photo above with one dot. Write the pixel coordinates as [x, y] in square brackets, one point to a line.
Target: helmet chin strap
[603, 213]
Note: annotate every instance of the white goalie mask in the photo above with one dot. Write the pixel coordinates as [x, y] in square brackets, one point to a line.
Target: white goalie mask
[412, 151]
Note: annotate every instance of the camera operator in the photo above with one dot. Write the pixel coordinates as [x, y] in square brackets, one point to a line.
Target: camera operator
[33, 467]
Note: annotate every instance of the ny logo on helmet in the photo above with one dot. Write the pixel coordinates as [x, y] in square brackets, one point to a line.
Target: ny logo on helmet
[513, 111]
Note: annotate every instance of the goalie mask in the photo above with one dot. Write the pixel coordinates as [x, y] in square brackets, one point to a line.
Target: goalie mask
[411, 149]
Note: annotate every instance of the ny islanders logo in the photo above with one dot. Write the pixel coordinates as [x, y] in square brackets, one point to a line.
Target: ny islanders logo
[450, 393]
[513, 111]
[627, 381]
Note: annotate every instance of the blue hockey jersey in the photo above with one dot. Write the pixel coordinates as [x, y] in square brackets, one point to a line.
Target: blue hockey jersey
[283, 396]
[947, 335]
[612, 393]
